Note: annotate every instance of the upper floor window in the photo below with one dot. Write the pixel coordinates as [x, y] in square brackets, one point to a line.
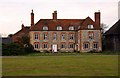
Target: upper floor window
[36, 36]
[71, 36]
[45, 36]
[45, 28]
[63, 36]
[54, 36]
[59, 28]
[71, 28]
[90, 27]
[90, 35]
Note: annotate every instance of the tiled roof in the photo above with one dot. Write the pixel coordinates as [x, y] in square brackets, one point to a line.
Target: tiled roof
[65, 23]
[23, 30]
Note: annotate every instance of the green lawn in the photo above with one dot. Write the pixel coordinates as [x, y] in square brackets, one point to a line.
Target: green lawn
[68, 65]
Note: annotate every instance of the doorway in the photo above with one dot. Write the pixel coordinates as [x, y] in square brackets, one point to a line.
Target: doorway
[54, 48]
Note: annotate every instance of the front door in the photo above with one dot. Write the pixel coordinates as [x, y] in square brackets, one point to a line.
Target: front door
[54, 47]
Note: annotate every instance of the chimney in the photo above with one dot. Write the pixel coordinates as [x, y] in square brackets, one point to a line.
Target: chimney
[54, 15]
[32, 18]
[22, 26]
[97, 19]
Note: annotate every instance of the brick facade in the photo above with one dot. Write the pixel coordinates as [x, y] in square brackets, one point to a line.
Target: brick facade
[66, 35]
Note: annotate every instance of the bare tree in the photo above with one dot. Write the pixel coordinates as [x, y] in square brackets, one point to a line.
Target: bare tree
[104, 27]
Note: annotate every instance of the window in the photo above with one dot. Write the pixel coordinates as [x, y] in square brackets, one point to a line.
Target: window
[54, 36]
[45, 28]
[90, 27]
[71, 28]
[59, 28]
[45, 36]
[71, 46]
[63, 46]
[79, 27]
[36, 36]
[45, 46]
[63, 36]
[36, 46]
[86, 45]
[90, 35]
[95, 45]
[71, 36]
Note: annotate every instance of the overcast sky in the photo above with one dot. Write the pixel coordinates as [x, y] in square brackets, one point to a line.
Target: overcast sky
[15, 12]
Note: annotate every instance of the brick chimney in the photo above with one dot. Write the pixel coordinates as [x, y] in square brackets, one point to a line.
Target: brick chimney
[97, 19]
[22, 26]
[54, 15]
[32, 18]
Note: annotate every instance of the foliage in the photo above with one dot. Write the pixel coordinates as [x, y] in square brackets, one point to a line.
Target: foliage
[12, 49]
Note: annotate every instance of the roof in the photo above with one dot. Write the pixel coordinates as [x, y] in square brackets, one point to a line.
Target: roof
[65, 23]
[114, 30]
[23, 30]
[6, 40]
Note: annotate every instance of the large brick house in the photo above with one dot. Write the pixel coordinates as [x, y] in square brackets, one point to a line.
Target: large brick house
[66, 35]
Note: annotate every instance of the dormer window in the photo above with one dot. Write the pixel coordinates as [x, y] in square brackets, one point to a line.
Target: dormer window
[71, 28]
[90, 27]
[59, 28]
[45, 28]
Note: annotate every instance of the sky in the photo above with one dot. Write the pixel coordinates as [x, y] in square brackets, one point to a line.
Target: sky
[14, 13]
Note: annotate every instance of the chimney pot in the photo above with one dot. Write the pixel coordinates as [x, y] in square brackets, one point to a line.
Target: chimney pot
[54, 15]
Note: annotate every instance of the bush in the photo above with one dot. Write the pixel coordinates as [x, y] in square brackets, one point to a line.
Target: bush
[16, 49]
[12, 49]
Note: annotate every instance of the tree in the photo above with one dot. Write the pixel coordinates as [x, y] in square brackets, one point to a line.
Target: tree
[25, 42]
[104, 27]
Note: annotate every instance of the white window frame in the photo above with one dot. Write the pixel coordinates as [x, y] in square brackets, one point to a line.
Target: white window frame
[45, 28]
[86, 45]
[63, 36]
[63, 46]
[54, 36]
[95, 45]
[71, 28]
[59, 28]
[36, 36]
[45, 45]
[90, 27]
[45, 36]
[71, 46]
[36, 46]
[71, 36]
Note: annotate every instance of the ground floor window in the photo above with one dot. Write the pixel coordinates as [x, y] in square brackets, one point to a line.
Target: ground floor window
[71, 46]
[63, 46]
[95, 45]
[86, 45]
[45, 46]
[36, 46]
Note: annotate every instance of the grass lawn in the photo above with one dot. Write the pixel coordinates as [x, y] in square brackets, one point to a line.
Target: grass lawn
[68, 65]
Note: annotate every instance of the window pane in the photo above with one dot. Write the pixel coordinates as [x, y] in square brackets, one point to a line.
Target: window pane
[36, 36]
[54, 37]
[59, 28]
[45, 28]
[63, 36]
[71, 28]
